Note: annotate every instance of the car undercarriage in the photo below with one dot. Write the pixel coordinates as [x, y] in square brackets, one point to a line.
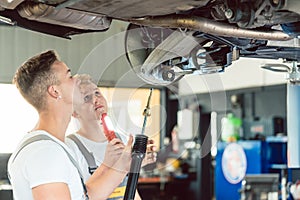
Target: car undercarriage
[167, 39]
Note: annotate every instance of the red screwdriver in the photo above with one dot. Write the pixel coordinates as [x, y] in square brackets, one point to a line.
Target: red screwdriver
[108, 127]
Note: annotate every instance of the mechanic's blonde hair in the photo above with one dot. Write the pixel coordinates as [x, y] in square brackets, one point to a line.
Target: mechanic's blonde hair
[85, 79]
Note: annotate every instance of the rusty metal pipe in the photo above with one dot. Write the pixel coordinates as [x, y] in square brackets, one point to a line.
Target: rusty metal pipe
[210, 27]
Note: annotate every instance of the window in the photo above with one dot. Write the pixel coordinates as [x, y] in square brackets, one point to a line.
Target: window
[17, 117]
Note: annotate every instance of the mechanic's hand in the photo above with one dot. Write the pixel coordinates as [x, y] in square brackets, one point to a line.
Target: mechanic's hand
[124, 162]
[150, 156]
[113, 152]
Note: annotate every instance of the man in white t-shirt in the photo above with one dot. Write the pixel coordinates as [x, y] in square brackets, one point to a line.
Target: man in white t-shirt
[91, 136]
[43, 162]
[45, 169]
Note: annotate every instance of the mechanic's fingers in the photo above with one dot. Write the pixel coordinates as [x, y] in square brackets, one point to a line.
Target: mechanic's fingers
[115, 141]
[129, 143]
[151, 148]
[150, 158]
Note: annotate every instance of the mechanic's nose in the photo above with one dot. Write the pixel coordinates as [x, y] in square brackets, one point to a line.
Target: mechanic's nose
[95, 99]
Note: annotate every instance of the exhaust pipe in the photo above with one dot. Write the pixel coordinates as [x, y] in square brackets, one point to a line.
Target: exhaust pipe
[209, 26]
[64, 16]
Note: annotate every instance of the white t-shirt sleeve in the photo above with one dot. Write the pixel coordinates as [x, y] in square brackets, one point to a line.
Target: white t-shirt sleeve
[48, 163]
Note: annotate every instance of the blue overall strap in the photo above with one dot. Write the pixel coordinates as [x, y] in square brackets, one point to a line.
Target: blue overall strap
[45, 137]
[85, 152]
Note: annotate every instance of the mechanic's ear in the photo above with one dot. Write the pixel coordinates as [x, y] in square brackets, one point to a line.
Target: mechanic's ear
[53, 92]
